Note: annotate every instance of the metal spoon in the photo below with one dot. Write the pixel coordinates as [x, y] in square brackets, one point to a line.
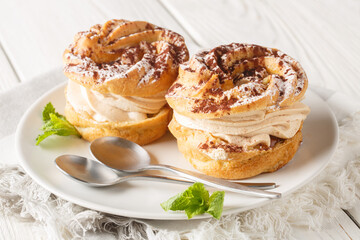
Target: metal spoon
[127, 156]
[96, 174]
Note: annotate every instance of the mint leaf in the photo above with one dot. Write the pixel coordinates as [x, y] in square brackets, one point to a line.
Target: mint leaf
[195, 196]
[194, 201]
[216, 204]
[194, 210]
[55, 123]
[49, 108]
[41, 137]
[171, 203]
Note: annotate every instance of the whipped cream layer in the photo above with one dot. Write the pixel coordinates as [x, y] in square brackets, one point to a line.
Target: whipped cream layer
[112, 107]
[251, 128]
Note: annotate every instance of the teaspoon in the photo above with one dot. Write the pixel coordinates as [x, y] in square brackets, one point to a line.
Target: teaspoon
[96, 174]
[128, 157]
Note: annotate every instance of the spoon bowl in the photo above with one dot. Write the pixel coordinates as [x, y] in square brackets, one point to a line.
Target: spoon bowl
[86, 170]
[133, 157]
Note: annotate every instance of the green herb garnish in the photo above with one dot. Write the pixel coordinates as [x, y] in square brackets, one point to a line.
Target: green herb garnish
[55, 123]
[196, 200]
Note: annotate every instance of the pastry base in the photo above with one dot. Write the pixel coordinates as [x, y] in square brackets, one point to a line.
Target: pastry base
[240, 164]
[140, 132]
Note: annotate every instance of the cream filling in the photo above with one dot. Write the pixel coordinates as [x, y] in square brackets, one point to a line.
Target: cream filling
[251, 128]
[111, 107]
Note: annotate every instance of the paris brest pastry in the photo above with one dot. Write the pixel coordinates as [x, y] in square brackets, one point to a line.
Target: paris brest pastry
[237, 110]
[119, 74]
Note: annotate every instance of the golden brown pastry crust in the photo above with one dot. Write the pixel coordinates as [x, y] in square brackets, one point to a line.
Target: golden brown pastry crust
[140, 132]
[239, 165]
[128, 58]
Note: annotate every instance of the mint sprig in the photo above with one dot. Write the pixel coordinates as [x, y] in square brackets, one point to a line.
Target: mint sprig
[196, 200]
[55, 123]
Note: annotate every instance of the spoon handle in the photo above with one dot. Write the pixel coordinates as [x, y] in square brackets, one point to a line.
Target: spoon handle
[172, 179]
[215, 182]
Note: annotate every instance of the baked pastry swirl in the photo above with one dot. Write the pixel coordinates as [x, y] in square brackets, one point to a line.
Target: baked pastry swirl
[118, 75]
[237, 110]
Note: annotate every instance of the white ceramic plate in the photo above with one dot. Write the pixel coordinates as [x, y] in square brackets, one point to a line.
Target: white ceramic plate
[141, 199]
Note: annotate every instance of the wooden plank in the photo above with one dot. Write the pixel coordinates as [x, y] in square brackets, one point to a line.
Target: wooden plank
[327, 45]
[36, 40]
[151, 11]
[214, 22]
[35, 37]
[355, 212]
[8, 78]
[340, 227]
[12, 228]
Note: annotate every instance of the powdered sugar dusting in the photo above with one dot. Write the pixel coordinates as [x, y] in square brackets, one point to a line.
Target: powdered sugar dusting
[85, 67]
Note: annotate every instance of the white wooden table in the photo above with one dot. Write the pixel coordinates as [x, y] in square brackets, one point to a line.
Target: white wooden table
[324, 35]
